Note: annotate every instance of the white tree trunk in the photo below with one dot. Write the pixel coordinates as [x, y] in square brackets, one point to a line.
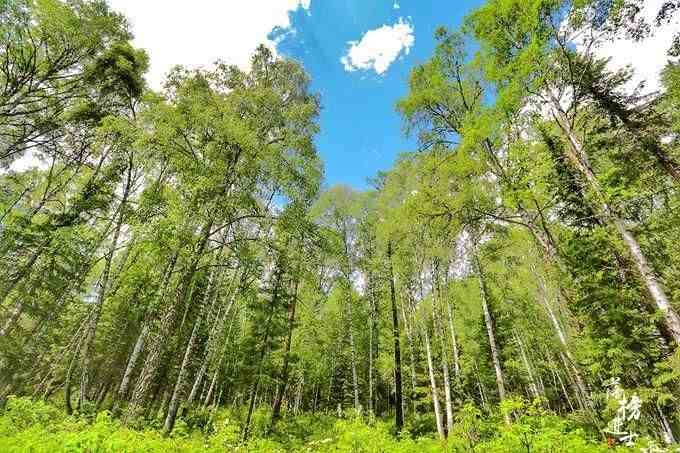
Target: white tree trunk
[495, 356]
[454, 342]
[439, 333]
[579, 159]
[412, 358]
[433, 386]
[559, 331]
[532, 381]
[91, 331]
[355, 379]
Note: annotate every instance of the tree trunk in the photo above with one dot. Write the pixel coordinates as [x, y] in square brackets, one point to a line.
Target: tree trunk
[141, 338]
[211, 389]
[543, 297]
[579, 159]
[540, 231]
[103, 286]
[433, 386]
[12, 319]
[166, 322]
[67, 380]
[371, 334]
[219, 319]
[452, 331]
[533, 386]
[647, 141]
[480, 387]
[353, 351]
[399, 414]
[263, 352]
[408, 328]
[448, 406]
[370, 365]
[131, 363]
[281, 388]
[102, 395]
[667, 430]
[178, 392]
[439, 333]
[564, 390]
[454, 342]
[488, 321]
[197, 383]
[20, 276]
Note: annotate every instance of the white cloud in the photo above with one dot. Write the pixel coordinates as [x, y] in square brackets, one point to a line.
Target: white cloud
[648, 57]
[202, 31]
[378, 48]
[396, 5]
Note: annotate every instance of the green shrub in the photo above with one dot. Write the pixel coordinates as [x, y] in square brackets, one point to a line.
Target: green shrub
[37, 427]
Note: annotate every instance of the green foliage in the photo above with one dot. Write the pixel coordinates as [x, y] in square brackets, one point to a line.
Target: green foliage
[39, 427]
[175, 258]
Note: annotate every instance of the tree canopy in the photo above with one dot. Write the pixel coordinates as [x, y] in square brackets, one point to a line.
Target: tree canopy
[174, 269]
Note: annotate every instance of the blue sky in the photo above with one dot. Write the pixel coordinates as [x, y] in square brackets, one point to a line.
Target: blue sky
[361, 133]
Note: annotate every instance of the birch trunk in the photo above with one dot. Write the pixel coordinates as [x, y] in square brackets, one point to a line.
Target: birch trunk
[211, 389]
[543, 297]
[580, 397]
[564, 390]
[67, 380]
[408, 328]
[371, 341]
[667, 430]
[433, 385]
[218, 320]
[488, 321]
[218, 362]
[104, 284]
[197, 383]
[482, 393]
[370, 363]
[399, 414]
[454, 342]
[178, 392]
[447, 388]
[579, 159]
[165, 326]
[141, 338]
[452, 331]
[439, 333]
[533, 386]
[131, 363]
[353, 351]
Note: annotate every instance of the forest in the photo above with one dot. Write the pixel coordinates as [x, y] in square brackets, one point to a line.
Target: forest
[175, 275]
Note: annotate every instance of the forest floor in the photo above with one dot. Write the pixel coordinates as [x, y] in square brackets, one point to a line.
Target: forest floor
[27, 426]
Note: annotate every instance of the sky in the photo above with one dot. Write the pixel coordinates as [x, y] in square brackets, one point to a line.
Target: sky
[358, 53]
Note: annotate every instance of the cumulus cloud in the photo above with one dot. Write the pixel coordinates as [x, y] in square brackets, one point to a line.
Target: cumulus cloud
[396, 5]
[377, 49]
[200, 33]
